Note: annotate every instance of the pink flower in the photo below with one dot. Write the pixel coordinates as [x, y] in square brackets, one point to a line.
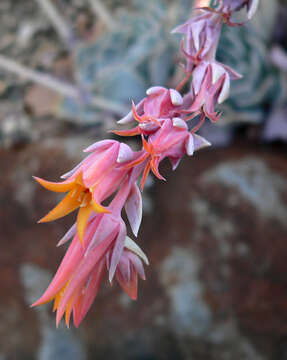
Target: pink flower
[90, 183]
[172, 140]
[210, 85]
[76, 283]
[129, 267]
[202, 33]
[160, 104]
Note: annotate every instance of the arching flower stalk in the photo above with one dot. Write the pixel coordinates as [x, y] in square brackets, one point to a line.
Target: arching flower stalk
[167, 122]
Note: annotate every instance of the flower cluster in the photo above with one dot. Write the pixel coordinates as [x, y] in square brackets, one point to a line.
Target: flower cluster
[105, 182]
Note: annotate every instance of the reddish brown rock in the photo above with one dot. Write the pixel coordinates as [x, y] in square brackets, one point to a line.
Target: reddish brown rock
[216, 240]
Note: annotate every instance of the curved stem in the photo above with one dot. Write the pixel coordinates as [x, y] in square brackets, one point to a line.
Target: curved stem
[183, 82]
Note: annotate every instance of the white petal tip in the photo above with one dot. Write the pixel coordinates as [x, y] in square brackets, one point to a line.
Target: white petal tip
[200, 142]
[179, 123]
[217, 72]
[104, 144]
[125, 154]
[175, 97]
[189, 146]
[252, 8]
[223, 95]
[154, 90]
[132, 246]
[225, 90]
[126, 120]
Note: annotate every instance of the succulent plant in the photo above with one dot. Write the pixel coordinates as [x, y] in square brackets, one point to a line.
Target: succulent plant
[126, 60]
[247, 50]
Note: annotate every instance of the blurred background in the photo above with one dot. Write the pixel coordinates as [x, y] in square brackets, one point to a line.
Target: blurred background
[215, 233]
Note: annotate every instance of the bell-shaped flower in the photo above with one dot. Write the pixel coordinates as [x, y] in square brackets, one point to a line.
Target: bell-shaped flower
[129, 267]
[91, 182]
[78, 278]
[210, 85]
[160, 104]
[201, 38]
[173, 140]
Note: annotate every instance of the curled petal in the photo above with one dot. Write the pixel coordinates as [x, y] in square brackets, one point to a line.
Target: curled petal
[154, 167]
[64, 186]
[100, 145]
[125, 154]
[132, 246]
[133, 209]
[65, 207]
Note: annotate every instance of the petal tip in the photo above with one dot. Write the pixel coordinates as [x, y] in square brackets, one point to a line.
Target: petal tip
[175, 97]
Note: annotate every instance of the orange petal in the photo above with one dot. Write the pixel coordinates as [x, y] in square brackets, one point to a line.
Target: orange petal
[65, 207]
[145, 175]
[82, 220]
[68, 312]
[79, 179]
[99, 208]
[56, 302]
[54, 186]
[137, 161]
[154, 168]
[135, 114]
[130, 132]
[59, 296]
[146, 145]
